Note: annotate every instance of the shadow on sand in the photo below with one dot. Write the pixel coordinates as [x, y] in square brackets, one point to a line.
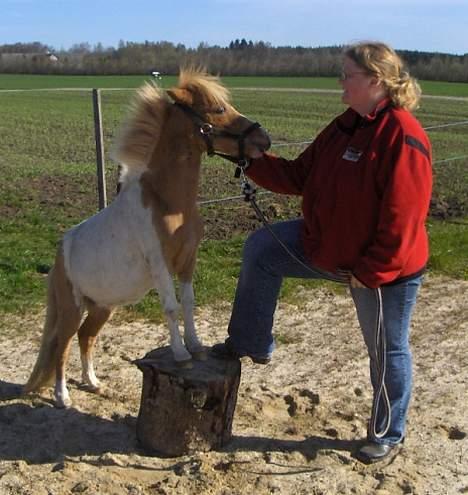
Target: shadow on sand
[309, 447]
[34, 431]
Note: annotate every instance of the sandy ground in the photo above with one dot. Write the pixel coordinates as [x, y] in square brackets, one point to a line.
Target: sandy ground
[297, 422]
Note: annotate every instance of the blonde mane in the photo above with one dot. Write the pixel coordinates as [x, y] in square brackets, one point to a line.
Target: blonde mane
[207, 87]
[139, 136]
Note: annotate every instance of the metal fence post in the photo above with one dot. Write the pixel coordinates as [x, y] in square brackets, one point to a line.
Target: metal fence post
[101, 176]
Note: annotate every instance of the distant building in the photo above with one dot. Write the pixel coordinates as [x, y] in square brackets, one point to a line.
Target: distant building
[52, 58]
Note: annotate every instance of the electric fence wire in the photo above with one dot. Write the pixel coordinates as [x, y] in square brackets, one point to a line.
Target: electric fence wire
[304, 143]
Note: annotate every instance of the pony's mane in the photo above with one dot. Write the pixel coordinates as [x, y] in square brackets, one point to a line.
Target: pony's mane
[139, 136]
[208, 87]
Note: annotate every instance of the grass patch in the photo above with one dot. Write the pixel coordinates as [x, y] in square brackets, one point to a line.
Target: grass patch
[25, 255]
[27, 250]
[41, 82]
[449, 248]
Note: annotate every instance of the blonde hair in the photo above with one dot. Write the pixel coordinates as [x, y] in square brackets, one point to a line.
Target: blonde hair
[383, 62]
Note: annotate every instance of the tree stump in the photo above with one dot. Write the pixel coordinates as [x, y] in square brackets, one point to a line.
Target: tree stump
[186, 410]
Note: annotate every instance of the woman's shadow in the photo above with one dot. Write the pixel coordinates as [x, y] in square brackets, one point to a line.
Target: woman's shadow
[309, 447]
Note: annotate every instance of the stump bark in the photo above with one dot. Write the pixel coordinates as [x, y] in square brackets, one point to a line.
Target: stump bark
[186, 410]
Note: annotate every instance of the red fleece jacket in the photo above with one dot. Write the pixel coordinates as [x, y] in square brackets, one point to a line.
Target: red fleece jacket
[365, 184]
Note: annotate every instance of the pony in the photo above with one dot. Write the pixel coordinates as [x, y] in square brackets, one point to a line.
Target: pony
[150, 233]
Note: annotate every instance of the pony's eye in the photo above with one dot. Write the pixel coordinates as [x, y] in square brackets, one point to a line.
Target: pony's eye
[220, 110]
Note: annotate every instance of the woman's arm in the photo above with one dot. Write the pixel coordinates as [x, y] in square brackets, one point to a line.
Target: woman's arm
[288, 176]
[280, 175]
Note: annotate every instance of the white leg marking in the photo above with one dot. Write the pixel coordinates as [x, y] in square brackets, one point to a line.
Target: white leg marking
[88, 375]
[62, 397]
[165, 287]
[187, 299]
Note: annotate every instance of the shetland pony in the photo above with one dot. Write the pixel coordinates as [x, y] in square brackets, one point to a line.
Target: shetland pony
[149, 233]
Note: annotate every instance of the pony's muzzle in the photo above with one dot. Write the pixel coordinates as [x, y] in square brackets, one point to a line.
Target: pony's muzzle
[259, 139]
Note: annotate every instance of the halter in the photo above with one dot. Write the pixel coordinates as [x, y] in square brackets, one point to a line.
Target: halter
[208, 132]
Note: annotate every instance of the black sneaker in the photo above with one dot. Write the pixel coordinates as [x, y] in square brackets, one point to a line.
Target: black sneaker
[225, 351]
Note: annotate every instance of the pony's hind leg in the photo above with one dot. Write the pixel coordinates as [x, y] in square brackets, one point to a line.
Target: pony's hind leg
[68, 321]
[94, 321]
[67, 327]
[192, 342]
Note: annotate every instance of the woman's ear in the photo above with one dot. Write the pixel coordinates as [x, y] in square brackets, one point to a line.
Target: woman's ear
[180, 95]
[376, 81]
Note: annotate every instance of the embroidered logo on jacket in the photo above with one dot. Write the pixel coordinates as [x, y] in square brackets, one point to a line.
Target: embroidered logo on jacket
[352, 154]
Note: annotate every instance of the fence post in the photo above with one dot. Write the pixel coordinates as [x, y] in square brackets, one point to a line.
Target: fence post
[101, 177]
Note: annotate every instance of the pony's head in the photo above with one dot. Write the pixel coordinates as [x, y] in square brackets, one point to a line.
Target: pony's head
[220, 127]
[203, 103]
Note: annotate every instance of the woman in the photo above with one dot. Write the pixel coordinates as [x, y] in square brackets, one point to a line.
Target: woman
[365, 184]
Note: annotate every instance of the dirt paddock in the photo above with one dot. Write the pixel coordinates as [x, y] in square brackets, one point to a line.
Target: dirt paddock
[297, 423]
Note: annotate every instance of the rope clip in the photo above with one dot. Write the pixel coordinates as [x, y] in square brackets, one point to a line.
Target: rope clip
[241, 164]
[248, 191]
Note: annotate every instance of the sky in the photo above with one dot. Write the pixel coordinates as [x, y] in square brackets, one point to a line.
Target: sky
[423, 25]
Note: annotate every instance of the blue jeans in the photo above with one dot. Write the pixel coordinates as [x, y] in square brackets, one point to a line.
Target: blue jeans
[264, 265]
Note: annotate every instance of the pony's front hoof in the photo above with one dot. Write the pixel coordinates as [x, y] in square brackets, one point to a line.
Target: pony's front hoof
[199, 354]
[184, 364]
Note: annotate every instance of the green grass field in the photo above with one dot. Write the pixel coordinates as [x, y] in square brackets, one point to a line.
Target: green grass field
[36, 81]
[47, 162]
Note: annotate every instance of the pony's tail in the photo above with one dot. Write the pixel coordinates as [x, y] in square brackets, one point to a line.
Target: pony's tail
[43, 372]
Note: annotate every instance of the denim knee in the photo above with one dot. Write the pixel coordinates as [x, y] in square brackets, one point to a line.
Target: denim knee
[257, 246]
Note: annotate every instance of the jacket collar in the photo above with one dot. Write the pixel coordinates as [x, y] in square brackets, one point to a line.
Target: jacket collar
[349, 121]
[381, 107]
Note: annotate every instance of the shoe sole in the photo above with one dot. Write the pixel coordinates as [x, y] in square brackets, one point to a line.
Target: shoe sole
[260, 360]
[234, 355]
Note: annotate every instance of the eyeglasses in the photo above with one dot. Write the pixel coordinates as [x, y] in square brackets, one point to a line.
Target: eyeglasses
[344, 76]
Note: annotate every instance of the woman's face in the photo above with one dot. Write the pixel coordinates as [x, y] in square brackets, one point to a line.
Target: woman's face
[359, 87]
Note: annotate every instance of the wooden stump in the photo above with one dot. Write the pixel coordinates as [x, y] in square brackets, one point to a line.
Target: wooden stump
[186, 410]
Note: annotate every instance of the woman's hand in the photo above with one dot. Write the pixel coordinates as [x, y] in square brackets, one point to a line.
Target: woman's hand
[255, 153]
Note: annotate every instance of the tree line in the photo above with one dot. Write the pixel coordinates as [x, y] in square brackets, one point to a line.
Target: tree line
[240, 57]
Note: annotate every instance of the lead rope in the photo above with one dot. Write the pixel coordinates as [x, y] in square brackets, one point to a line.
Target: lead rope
[381, 364]
[380, 338]
[249, 196]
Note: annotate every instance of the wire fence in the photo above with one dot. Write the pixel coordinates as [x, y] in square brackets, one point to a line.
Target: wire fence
[276, 145]
[305, 143]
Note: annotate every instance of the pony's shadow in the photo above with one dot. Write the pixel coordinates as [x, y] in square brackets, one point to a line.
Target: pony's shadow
[9, 390]
[37, 432]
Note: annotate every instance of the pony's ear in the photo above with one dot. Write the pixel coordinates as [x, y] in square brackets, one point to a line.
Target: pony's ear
[181, 95]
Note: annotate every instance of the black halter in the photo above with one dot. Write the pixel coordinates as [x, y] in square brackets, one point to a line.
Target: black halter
[208, 132]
